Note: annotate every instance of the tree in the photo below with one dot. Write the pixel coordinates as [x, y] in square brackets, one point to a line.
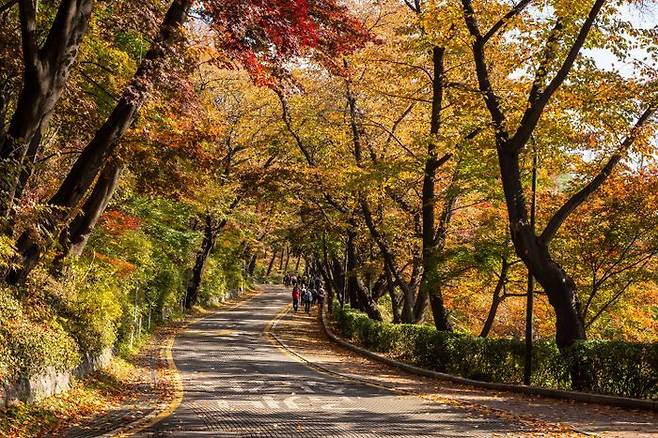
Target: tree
[534, 249]
[45, 73]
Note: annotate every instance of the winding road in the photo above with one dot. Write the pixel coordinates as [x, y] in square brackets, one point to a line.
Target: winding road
[238, 382]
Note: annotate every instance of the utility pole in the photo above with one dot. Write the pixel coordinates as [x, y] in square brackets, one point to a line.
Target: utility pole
[527, 369]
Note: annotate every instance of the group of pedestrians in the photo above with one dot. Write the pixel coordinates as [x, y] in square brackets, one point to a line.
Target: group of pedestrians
[305, 291]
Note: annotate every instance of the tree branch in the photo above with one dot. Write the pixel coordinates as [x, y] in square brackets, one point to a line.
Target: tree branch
[491, 99]
[541, 99]
[500, 23]
[285, 115]
[583, 194]
[28, 19]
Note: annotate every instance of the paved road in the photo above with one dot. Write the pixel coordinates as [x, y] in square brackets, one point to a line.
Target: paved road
[237, 383]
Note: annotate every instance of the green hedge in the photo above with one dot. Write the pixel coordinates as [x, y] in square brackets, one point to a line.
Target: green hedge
[610, 367]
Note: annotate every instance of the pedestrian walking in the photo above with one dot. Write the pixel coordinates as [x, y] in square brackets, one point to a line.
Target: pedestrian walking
[295, 298]
[307, 298]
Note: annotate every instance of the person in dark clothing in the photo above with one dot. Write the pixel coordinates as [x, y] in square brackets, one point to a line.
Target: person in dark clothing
[306, 299]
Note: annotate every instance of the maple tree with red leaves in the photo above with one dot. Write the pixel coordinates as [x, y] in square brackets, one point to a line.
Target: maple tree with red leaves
[266, 37]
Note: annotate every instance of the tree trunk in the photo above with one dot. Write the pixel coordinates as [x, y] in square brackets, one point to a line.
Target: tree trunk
[251, 267]
[95, 155]
[352, 282]
[328, 280]
[359, 298]
[44, 78]
[496, 299]
[74, 239]
[338, 275]
[28, 166]
[207, 245]
[299, 258]
[285, 265]
[283, 251]
[407, 292]
[559, 287]
[395, 305]
[269, 267]
[433, 240]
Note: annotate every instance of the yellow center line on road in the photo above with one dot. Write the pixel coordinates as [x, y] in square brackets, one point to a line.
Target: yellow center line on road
[167, 350]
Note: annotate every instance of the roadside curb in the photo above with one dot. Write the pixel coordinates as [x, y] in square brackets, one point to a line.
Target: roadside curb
[164, 410]
[630, 403]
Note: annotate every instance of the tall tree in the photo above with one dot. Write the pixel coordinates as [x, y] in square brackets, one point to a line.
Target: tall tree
[534, 249]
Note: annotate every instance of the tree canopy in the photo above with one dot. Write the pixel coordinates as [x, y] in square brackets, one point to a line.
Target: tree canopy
[389, 147]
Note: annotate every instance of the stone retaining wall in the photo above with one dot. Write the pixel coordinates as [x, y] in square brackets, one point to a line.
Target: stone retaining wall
[50, 382]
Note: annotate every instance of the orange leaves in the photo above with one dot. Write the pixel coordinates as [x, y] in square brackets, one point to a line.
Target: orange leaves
[117, 223]
[123, 267]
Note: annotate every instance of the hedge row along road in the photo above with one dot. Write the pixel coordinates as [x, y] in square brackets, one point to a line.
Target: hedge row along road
[237, 382]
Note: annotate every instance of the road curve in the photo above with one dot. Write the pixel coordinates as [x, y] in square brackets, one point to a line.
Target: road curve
[238, 383]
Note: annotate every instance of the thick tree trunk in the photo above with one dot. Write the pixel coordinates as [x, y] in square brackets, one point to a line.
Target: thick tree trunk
[496, 299]
[207, 245]
[93, 158]
[559, 287]
[74, 239]
[45, 75]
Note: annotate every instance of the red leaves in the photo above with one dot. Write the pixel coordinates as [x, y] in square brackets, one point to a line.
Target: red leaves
[266, 35]
[117, 223]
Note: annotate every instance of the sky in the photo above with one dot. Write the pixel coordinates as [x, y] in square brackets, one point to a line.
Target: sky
[645, 17]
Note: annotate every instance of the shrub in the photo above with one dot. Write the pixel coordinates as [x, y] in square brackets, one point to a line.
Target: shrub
[28, 347]
[610, 367]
